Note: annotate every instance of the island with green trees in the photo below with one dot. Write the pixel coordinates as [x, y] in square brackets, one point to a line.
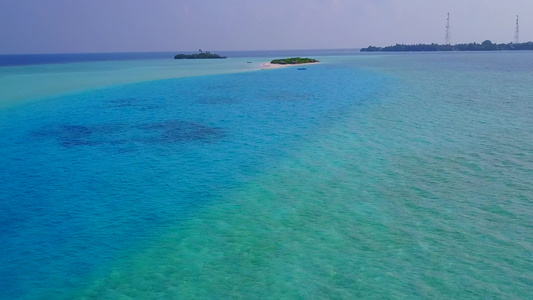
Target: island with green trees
[294, 61]
[200, 55]
[485, 46]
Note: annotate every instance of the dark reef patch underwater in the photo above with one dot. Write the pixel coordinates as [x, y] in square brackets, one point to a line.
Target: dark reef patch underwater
[165, 132]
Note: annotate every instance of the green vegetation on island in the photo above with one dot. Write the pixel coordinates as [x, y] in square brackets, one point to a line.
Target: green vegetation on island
[485, 46]
[293, 61]
[201, 55]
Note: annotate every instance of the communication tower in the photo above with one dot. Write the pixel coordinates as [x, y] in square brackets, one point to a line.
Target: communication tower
[447, 36]
[517, 33]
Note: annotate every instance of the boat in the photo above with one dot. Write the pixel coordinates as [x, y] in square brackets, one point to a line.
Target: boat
[302, 68]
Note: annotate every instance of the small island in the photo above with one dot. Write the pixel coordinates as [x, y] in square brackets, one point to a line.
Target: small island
[201, 55]
[485, 46]
[293, 61]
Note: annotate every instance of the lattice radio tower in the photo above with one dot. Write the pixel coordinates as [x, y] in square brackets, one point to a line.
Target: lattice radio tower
[517, 33]
[447, 36]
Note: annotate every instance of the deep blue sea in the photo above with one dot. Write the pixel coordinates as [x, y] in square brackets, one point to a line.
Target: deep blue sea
[376, 176]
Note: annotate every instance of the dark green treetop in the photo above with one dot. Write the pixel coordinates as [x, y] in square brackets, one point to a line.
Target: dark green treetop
[293, 61]
[201, 55]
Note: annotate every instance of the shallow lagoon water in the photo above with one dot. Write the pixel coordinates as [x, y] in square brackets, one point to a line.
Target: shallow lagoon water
[33, 82]
[381, 176]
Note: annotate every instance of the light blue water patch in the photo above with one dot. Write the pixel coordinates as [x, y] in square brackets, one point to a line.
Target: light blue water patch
[21, 84]
[376, 176]
[88, 177]
[424, 194]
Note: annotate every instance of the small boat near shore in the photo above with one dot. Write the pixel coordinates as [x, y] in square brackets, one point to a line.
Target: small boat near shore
[300, 69]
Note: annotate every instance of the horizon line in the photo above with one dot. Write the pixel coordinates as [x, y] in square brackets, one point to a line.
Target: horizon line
[174, 51]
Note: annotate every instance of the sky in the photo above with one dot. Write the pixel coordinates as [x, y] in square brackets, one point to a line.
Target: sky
[71, 26]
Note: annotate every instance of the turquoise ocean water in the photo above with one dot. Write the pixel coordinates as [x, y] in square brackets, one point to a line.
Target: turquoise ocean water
[382, 176]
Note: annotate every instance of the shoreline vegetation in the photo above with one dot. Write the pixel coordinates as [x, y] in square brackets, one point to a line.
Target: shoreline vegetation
[294, 61]
[288, 62]
[485, 46]
[201, 55]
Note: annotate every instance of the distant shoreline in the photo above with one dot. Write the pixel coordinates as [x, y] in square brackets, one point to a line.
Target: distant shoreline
[485, 46]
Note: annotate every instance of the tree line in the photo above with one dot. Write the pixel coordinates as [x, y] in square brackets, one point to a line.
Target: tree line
[485, 46]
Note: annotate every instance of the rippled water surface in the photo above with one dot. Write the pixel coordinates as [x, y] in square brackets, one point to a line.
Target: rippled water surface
[366, 176]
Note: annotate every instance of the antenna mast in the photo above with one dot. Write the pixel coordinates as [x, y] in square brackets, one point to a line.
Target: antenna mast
[447, 36]
[517, 33]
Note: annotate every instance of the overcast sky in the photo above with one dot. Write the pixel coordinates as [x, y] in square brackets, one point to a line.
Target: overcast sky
[63, 26]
